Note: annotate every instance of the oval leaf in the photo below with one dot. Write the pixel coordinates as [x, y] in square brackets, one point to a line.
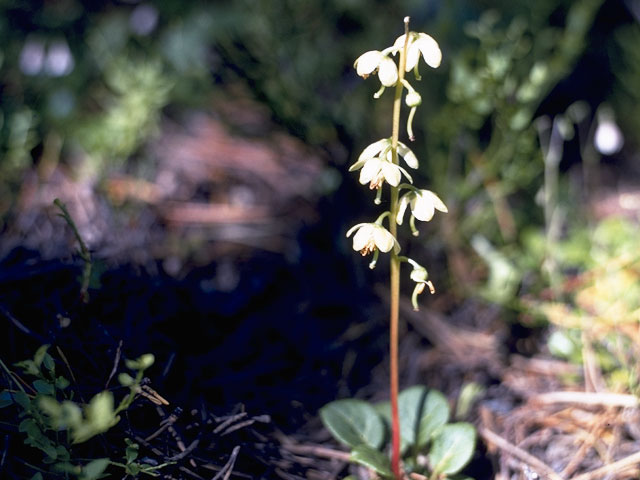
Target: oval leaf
[435, 414]
[410, 402]
[373, 459]
[452, 448]
[353, 422]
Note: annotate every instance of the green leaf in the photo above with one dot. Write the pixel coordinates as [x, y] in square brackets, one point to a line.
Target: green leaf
[50, 450]
[22, 399]
[452, 448]
[43, 387]
[39, 355]
[133, 469]
[468, 396]
[30, 427]
[6, 398]
[410, 402]
[141, 363]
[126, 380]
[435, 414]
[95, 468]
[37, 476]
[63, 453]
[353, 422]
[373, 459]
[62, 383]
[131, 452]
[48, 363]
[100, 417]
[28, 367]
[384, 410]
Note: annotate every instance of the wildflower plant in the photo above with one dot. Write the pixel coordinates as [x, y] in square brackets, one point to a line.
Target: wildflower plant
[353, 422]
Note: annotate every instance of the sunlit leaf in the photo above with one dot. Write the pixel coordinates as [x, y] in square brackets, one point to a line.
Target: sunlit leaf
[435, 414]
[452, 448]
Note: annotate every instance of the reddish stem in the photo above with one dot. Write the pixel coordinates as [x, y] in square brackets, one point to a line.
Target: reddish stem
[395, 270]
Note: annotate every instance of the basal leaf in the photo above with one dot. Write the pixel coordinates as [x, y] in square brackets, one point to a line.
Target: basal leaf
[353, 422]
[435, 413]
[410, 404]
[373, 459]
[452, 448]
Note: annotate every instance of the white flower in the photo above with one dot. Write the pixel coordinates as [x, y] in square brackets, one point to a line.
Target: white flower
[382, 149]
[371, 236]
[419, 43]
[423, 203]
[375, 61]
[376, 170]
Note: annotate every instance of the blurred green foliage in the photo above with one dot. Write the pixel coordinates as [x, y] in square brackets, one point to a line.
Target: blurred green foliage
[597, 312]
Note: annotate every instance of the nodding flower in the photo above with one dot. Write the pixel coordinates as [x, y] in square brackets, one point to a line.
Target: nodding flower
[370, 237]
[376, 170]
[423, 204]
[378, 62]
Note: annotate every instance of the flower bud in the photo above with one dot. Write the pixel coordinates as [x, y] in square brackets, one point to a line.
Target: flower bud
[413, 99]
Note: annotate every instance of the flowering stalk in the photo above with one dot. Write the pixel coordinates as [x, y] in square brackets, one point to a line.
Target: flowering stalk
[379, 163]
[395, 268]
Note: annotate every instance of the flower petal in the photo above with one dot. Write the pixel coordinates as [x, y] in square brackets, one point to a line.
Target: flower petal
[388, 72]
[413, 55]
[437, 203]
[359, 164]
[402, 207]
[422, 207]
[406, 174]
[362, 237]
[383, 239]
[373, 149]
[399, 43]
[366, 63]
[370, 170]
[391, 173]
[430, 50]
[409, 157]
[354, 228]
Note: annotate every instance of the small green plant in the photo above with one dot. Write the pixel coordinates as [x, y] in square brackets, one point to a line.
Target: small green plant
[355, 423]
[596, 323]
[428, 443]
[54, 423]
